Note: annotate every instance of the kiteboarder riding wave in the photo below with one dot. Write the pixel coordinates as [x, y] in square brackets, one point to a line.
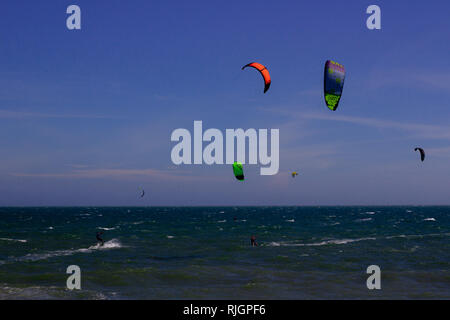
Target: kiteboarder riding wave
[99, 238]
[253, 241]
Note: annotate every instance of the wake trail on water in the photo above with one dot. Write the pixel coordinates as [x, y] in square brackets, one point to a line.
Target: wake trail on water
[111, 244]
[345, 241]
[14, 240]
[322, 243]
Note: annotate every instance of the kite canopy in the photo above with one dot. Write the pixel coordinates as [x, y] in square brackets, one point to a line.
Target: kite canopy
[333, 83]
[264, 72]
[238, 171]
[422, 153]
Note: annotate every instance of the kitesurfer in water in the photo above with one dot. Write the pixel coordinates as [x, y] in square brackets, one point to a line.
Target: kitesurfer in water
[99, 238]
[253, 241]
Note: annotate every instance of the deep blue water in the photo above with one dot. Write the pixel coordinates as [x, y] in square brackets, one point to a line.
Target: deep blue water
[205, 252]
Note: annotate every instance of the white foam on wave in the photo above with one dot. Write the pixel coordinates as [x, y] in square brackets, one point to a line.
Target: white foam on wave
[42, 293]
[429, 219]
[111, 244]
[334, 224]
[106, 229]
[369, 212]
[291, 220]
[363, 220]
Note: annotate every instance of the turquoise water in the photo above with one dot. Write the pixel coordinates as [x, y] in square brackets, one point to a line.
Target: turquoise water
[205, 252]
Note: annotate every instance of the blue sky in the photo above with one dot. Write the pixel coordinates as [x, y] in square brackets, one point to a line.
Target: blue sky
[86, 116]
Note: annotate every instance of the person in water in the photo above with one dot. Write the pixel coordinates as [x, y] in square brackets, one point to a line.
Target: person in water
[99, 238]
[253, 241]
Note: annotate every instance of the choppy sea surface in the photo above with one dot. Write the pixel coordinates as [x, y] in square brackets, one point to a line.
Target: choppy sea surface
[205, 252]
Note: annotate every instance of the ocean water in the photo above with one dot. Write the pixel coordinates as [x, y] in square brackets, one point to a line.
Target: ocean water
[205, 252]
